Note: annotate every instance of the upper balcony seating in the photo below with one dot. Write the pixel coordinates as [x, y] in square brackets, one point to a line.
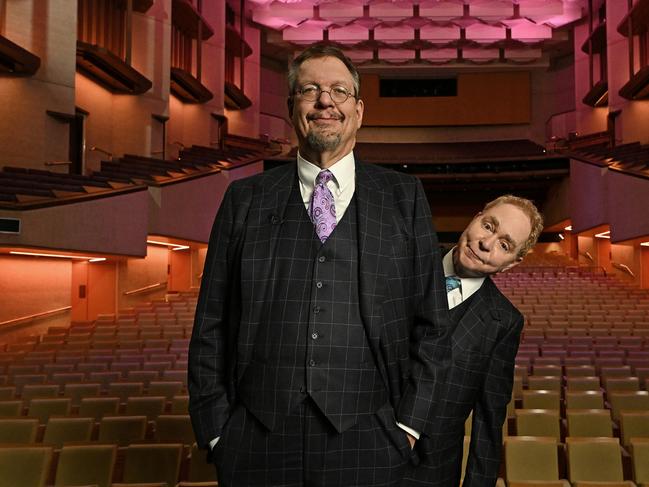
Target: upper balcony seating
[23, 185]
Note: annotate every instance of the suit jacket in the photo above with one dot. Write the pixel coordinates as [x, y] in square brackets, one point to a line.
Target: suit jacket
[484, 341]
[401, 289]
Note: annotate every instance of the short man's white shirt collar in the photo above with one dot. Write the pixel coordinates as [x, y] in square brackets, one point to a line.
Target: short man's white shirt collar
[469, 284]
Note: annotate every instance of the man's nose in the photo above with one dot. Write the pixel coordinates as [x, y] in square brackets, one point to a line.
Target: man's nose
[487, 242]
[325, 99]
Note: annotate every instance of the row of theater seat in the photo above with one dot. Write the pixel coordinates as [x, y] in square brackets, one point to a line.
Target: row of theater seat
[105, 465]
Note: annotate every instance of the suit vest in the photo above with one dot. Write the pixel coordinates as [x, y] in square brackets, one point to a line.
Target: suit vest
[312, 341]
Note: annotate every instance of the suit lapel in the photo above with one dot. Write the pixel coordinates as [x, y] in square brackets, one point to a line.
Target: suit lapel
[374, 246]
[482, 318]
[262, 231]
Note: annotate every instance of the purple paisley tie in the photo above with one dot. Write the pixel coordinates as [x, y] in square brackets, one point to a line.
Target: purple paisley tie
[322, 209]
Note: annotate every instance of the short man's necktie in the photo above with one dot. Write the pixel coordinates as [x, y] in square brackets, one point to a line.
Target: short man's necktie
[453, 282]
[322, 209]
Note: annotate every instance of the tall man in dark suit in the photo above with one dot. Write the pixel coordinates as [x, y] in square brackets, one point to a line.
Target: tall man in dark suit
[485, 337]
[321, 335]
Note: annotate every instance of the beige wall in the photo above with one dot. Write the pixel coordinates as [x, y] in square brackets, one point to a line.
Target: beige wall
[192, 124]
[30, 285]
[123, 124]
[135, 274]
[28, 136]
[246, 122]
[115, 225]
[186, 210]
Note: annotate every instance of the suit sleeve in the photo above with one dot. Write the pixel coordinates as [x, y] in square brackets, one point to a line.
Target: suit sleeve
[490, 411]
[207, 361]
[430, 344]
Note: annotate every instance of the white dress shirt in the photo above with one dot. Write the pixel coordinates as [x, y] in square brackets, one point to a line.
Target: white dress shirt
[342, 185]
[469, 285]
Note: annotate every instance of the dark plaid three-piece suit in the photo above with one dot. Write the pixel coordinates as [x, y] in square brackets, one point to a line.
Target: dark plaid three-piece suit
[304, 354]
[485, 338]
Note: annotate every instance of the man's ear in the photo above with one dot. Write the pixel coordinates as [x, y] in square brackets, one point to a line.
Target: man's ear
[513, 264]
[290, 104]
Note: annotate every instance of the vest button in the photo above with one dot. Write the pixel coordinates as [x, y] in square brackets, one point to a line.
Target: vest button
[318, 285]
[312, 363]
[315, 335]
[316, 309]
[322, 258]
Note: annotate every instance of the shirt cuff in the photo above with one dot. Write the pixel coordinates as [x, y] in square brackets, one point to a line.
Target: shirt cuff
[214, 442]
[410, 431]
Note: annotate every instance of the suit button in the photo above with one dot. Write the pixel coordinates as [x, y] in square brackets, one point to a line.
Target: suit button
[311, 363]
[318, 285]
[322, 258]
[316, 309]
[315, 335]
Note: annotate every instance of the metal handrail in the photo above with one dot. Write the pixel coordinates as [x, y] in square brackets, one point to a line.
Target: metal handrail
[59, 163]
[34, 316]
[144, 289]
[624, 268]
[94, 148]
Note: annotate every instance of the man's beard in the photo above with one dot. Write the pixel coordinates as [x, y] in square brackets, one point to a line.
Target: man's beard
[321, 142]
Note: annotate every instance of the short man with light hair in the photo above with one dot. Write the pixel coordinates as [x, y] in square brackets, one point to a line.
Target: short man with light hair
[486, 332]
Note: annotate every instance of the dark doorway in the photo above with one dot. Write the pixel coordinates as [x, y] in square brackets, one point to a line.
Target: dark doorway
[77, 142]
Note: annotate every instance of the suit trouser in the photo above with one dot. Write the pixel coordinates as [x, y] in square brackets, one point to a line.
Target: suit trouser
[307, 451]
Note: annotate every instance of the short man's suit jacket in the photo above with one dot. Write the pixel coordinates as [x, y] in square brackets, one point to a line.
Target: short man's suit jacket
[484, 341]
[401, 289]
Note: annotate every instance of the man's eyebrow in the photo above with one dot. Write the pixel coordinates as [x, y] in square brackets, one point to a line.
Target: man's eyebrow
[506, 237]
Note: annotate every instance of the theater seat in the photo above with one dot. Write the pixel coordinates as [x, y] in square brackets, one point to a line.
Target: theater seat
[532, 460]
[589, 422]
[152, 463]
[199, 469]
[122, 430]
[593, 460]
[24, 465]
[86, 465]
[538, 422]
[634, 424]
[71, 429]
[18, 430]
[640, 455]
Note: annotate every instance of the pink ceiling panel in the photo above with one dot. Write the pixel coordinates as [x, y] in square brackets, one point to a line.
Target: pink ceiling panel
[391, 10]
[523, 54]
[304, 33]
[394, 34]
[571, 13]
[439, 54]
[358, 55]
[530, 32]
[485, 33]
[292, 11]
[480, 54]
[443, 10]
[396, 54]
[341, 11]
[349, 33]
[538, 10]
[491, 10]
[266, 18]
[439, 34]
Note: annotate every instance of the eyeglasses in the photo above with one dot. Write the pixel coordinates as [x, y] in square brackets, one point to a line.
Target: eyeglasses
[338, 94]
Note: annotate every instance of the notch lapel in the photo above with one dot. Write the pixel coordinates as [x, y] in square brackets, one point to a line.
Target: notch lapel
[374, 208]
[264, 222]
[482, 319]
